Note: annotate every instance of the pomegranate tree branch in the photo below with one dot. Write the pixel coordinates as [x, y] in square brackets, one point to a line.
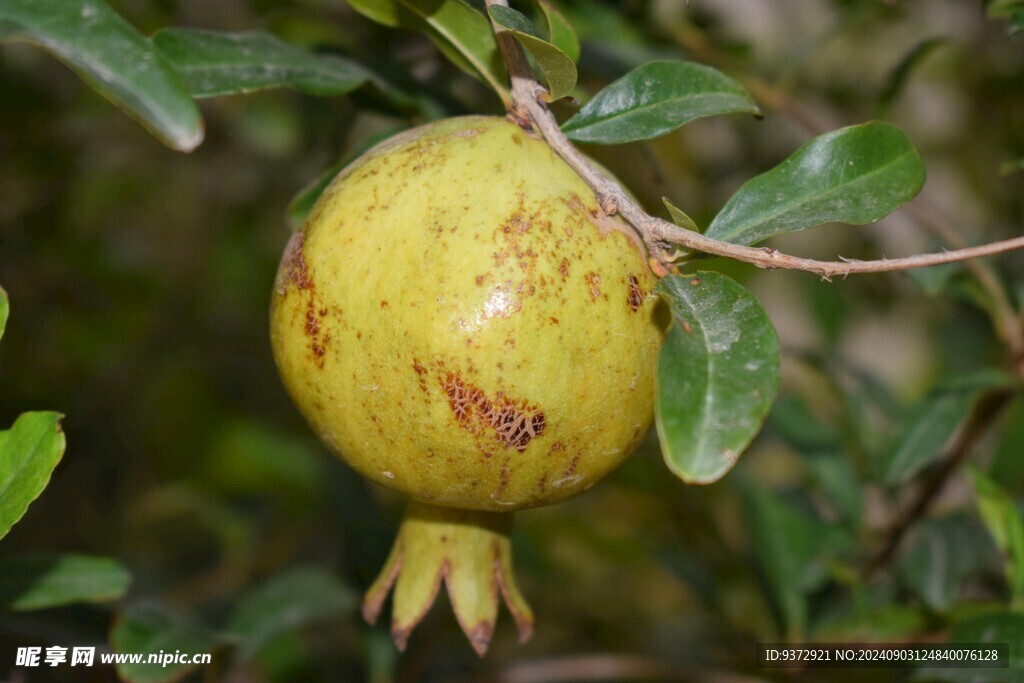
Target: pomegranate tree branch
[659, 235]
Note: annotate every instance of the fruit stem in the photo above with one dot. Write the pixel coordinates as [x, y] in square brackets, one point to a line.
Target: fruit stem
[658, 234]
[471, 552]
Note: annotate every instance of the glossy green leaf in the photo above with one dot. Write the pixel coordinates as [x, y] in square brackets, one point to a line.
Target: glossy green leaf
[680, 217]
[852, 175]
[220, 63]
[29, 451]
[289, 602]
[5, 309]
[113, 58]
[925, 431]
[148, 629]
[558, 68]
[790, 547]
[560, 31]
[943, 553]
[655, 99]
[1003, 520]
[718, 373]
[43, 581]
[459, 30]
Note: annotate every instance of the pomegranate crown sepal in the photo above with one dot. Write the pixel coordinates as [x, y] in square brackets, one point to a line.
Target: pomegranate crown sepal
[470, 552]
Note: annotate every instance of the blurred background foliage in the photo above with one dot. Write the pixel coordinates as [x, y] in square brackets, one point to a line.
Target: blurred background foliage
[140, 278]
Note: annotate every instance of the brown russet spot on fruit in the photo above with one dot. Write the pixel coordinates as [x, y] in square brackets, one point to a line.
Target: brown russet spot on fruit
[296, 271]
[297, 274]
[312, 323]
[593, 285]
[563, 268]
[572, 466]
[636, 295]
[422, 372]
[513, 422]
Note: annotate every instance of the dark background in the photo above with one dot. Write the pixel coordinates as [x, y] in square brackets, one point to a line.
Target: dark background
[140, 280]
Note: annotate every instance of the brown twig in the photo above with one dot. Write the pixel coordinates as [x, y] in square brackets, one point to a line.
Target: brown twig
[658, 234]
[984, 415]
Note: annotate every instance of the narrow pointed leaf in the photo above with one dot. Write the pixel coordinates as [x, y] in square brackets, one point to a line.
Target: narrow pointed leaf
[718, 374]
[852, 175]
[925, 431]
[220, 63]
[42, 581]
[559, 70]
[113, 58]
[680, 217]
[560, 31]
[460, 31]
[29, 451]
[1005, 525]
[655, 99]
[901, 74]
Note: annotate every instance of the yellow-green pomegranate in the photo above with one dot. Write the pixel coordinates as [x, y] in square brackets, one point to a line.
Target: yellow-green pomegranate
[460, 322]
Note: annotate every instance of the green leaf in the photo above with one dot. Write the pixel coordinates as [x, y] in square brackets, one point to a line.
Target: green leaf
[718, 373]
[790, 547]
[679, 217]
[113, 58]
[1011, 166]
[1003, 520]
[5, 309]
[942, 555]
[791, 418]
[218, 63]
[40, 581]
[460, 31]
[993, 628]
[558, 68]
[1004, 8]
[852, 175]
[286, 603]
[149, 630]
[901, 74]
[560, 31]
[821, 450]
[29, 451]
[836, 478]
[1007, 467]
[1016, 22]
[925, 431]
[655, 99]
